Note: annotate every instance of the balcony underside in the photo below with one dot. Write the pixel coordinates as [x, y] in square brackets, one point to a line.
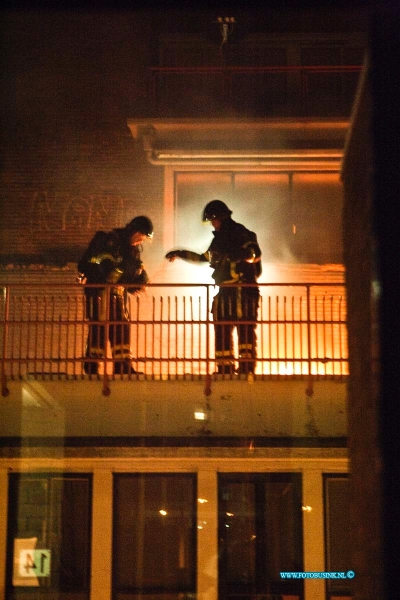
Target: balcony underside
[171, 412]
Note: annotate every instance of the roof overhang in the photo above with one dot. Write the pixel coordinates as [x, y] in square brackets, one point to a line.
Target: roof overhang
[272, 143]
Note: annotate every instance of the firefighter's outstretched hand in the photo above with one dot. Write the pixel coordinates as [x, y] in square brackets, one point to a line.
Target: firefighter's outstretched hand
[172, 255]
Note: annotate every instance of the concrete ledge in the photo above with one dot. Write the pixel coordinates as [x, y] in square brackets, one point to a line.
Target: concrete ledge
[180, 409]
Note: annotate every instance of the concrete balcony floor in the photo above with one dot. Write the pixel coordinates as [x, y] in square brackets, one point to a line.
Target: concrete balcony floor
[196, 411]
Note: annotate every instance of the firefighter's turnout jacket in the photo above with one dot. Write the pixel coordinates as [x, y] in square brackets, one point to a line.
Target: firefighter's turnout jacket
[110, 258]
[235, 256]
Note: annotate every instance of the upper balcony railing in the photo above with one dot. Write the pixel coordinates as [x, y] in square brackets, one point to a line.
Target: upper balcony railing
[284, 91]
[301, 332]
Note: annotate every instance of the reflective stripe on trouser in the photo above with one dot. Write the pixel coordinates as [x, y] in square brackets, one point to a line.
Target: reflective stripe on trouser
[121, 352]
[118, 333]
[224, 358]
[247, 355]
[246, 350]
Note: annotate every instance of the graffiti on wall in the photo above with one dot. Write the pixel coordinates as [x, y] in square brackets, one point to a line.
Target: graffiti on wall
[54, 212]
[40, 213]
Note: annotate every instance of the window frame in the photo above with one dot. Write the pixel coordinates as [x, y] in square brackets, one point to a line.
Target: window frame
[291, 237]
[263, 584]
[49, 591]
[155, 591]
[334, 587]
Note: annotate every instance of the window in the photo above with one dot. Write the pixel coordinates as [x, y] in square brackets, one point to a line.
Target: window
[48, 537]
[154, 548]
[337, 533]
[296, 216]
[260, 534]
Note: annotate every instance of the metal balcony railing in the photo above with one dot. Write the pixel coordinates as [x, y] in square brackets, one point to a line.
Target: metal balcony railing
[262, 91]
[301, 331]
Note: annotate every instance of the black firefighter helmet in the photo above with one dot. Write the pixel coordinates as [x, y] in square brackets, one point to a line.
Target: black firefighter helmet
[216, 209]
[141, 224]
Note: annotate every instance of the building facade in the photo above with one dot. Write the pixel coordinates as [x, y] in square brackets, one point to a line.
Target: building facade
[177, 482]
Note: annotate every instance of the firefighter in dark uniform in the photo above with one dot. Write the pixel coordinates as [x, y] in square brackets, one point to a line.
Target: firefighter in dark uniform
[235, 256]
[113, 257]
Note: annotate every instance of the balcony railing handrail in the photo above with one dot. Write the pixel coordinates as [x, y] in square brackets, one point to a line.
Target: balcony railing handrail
[261, 69]
[80, 286]
[300, 333]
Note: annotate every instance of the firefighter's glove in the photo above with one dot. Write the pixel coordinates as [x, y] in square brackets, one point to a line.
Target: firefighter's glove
[142, 280]
[173, 254]
[138, 268]
[114, 276]
[215, 258]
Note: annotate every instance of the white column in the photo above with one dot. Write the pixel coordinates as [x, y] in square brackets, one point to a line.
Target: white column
[313, 533]
[207, 535]
[101, 567]
[3, 529]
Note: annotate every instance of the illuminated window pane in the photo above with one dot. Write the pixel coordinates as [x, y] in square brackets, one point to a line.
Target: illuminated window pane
[48, 537]
[262, 203]
[317, 214]
[154, 535]
[260, 534]
[337, 532]
[296, 216]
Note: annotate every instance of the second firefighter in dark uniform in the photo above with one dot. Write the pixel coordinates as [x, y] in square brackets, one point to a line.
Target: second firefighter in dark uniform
[113, 257]
[235, 256]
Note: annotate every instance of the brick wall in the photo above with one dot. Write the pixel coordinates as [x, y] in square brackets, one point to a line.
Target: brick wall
[69, 164]
[57, 192]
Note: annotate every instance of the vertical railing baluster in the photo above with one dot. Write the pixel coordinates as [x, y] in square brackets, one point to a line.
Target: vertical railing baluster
[107, 293]
[42, 318]
[262, 334]
[301, 335]
[293, 328]
[200, 333]
[70, 335]
[190, 342]
[25, 311]
[161, 332]
[74, 316]
[50, 319]
[4, 389]
[324, 329]
[60, 336]
[285, 332]
[278, 346]
[83, 328]
[136, 326]
[308, 295]
[340, 336]
[208, 322]
[332, 330]
[32, 324]
[41, 326]
[152, 340]
[14, 333]
[179, 320]
[64, 325]
[270, 333]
